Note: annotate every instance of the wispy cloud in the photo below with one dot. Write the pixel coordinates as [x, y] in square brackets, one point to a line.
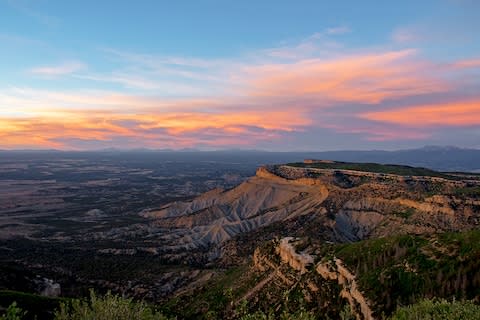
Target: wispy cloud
[468, 63]
[338, 30]
[9, 39]
[174, 130]
[360, 78]
[405, 35]
[262, 97]
[28, 10]
[457, 113]
[64, 68]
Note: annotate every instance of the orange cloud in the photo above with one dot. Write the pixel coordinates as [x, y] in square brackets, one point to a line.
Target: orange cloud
[470, 63]
[258, 100]
[380, 132]
[184, 122]
[362, 78]
[462, 113]
[182, 129]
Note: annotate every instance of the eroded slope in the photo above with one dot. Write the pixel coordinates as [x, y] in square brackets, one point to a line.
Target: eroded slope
[220, 215]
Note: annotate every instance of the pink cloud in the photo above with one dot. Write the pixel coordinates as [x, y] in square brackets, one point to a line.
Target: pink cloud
[468, 63]
[459, 113]
[280, 91]
[363, 78]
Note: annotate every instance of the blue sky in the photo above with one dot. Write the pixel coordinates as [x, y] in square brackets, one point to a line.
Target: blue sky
[277, 75]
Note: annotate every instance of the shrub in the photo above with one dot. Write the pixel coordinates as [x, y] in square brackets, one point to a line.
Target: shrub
[108, 307]
[301, 314]
[438, 309]
[13, 313]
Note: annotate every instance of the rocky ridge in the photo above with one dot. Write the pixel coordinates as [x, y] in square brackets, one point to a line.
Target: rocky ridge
[332, 270]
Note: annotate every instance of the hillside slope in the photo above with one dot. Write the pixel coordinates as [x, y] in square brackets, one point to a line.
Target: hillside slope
[219, 215]
[371, 278]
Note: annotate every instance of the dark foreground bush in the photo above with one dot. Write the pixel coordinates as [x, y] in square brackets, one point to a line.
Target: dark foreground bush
[114, 307]
[299, 315]
[108, 307]
[439, 309]
[13, 312]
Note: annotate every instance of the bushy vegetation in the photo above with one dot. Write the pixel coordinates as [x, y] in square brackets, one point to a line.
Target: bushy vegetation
[13, 313]
[38, 307]
[299, 315]
[439, 310]
[108, 307]
[470, 191]
[114, 307]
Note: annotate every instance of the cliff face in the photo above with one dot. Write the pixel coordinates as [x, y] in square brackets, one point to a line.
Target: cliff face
[298, 261]
[350, 290]
[349, 205]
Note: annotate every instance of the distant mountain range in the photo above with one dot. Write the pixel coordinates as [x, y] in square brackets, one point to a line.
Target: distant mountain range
[442, 158]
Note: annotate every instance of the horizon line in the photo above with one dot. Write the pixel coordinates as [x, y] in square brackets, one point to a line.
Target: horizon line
[426, 147]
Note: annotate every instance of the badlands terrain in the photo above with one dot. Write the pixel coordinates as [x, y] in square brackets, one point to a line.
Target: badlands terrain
[209, 238]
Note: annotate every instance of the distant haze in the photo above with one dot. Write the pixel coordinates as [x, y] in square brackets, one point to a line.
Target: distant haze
[437, 158]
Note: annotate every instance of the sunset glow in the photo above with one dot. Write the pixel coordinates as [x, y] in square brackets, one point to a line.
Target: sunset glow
[447, 114]
[338, 86]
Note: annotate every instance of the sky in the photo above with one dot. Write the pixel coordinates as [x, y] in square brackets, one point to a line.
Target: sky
[269, 75]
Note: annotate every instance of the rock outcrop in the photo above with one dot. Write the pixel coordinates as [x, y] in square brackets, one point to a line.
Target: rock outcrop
[298, 261]
[350, 290]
